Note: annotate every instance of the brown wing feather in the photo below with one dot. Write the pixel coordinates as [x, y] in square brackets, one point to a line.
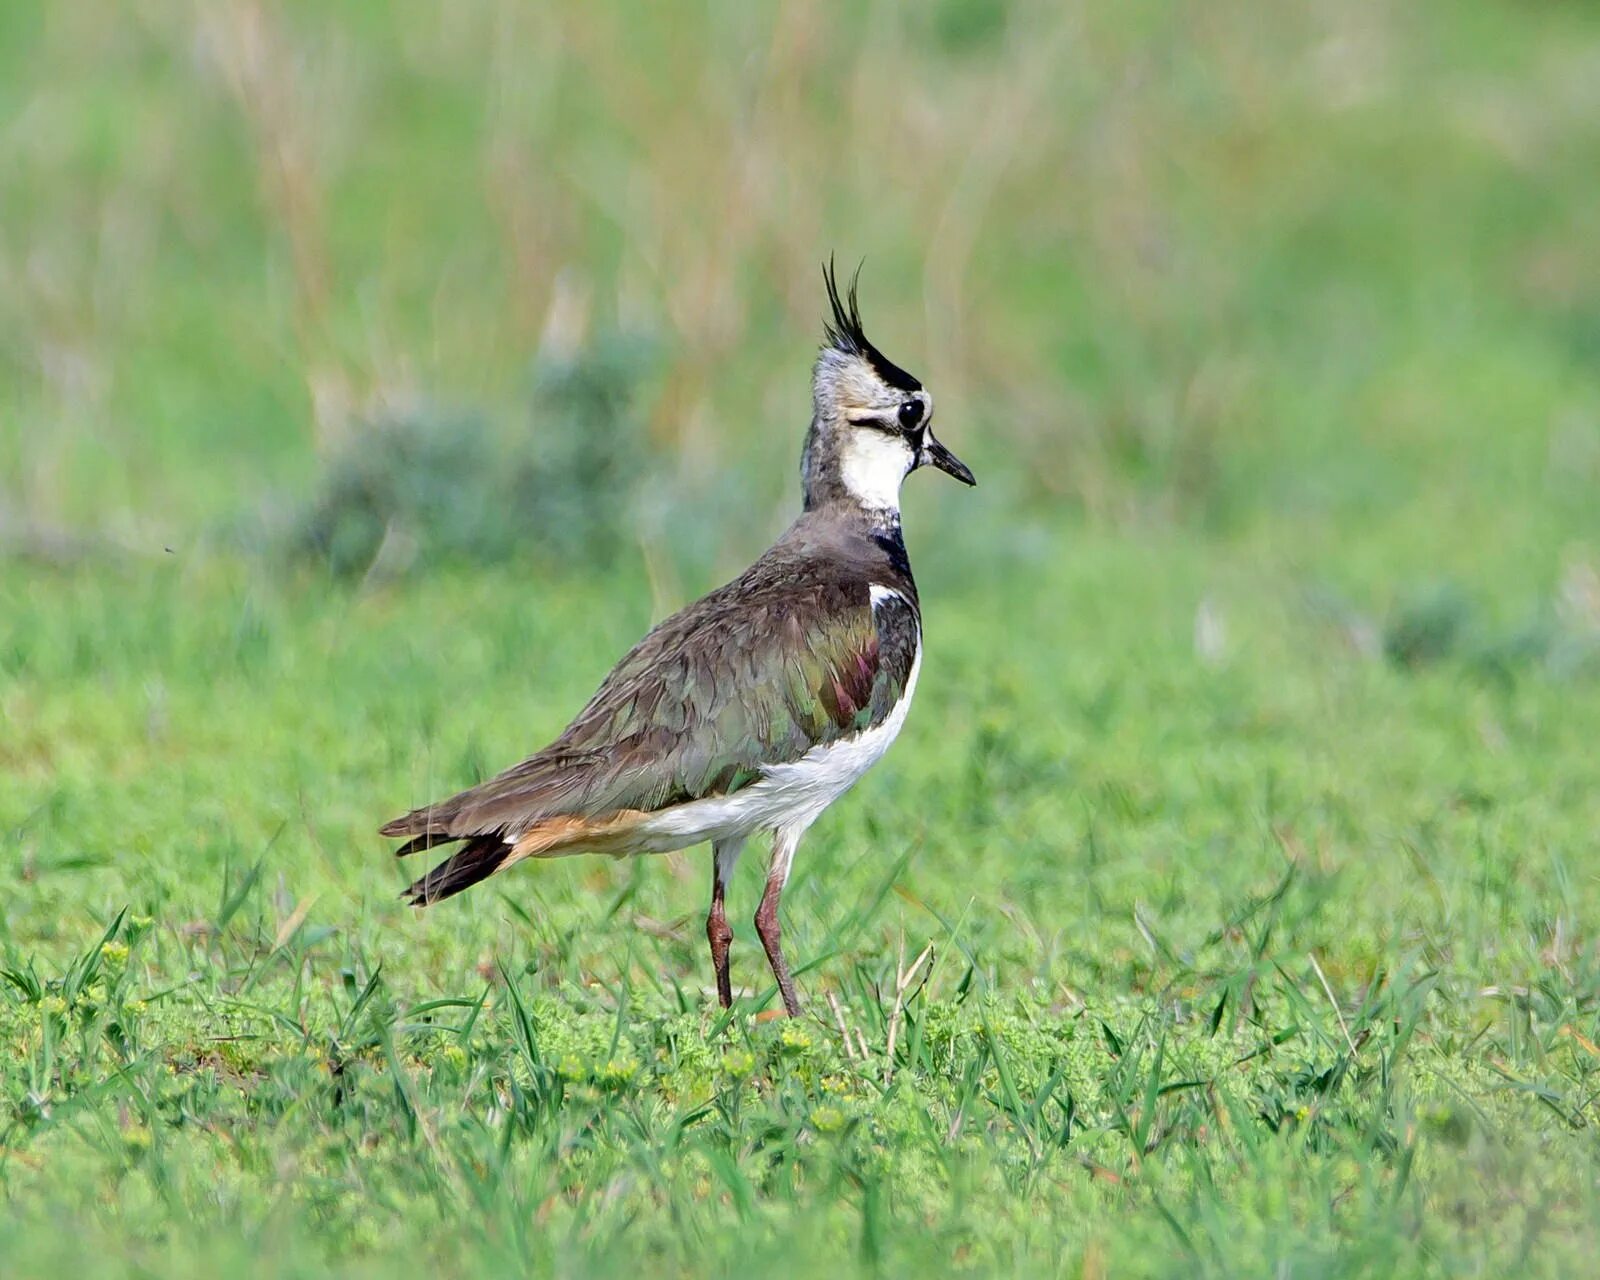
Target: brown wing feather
[758, 672]
[694, 710]
[541, 783]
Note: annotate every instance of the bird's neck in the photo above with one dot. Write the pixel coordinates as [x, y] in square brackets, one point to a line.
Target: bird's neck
[858, 470]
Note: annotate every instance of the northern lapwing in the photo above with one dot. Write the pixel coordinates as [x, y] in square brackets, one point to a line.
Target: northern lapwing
[755, 708]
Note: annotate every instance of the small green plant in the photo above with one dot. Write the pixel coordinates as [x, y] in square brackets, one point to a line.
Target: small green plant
[588, 452]
[1427, 626]
[417, 485]
[422, 486]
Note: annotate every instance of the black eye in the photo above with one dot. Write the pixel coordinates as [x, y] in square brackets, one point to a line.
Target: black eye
[910, 414]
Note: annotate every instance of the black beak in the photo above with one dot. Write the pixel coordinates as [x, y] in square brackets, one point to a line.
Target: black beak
[935, 454]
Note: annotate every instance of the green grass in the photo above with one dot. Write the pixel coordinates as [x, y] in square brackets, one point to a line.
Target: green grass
[1248, 811]
[223, 1031]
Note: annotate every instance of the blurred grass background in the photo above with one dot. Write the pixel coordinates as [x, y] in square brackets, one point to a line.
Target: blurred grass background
[371, 375]
[1316, 275]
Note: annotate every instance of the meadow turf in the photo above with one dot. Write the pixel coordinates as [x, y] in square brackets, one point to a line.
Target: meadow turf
[1229, 900]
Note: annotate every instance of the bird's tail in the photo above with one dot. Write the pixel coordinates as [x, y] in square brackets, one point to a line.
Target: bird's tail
[481, 855]
[478, 859]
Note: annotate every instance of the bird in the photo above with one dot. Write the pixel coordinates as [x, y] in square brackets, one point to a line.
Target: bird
[750, 711]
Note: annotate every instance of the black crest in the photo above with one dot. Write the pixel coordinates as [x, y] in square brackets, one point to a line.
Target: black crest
[846, 334]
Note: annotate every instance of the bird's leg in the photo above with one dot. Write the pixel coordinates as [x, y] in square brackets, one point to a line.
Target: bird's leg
[767, 927]
[724, 855]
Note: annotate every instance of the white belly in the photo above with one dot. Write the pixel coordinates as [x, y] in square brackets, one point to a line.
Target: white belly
[786, 797]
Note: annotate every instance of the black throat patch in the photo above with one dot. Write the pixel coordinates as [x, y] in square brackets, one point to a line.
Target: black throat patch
[893, 544]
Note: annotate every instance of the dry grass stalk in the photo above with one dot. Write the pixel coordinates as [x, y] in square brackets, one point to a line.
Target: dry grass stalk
[904, 977]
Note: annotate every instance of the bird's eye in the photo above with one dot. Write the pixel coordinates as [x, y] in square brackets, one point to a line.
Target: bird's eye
[910, 413]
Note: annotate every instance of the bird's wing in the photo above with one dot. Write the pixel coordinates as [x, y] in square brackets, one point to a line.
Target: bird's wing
[737, 682]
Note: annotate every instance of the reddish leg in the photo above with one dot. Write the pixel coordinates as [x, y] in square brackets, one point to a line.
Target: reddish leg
[718, 931]
[767, 926]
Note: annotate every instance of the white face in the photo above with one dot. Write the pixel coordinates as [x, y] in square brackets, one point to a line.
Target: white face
[872, 464]
[876, 429]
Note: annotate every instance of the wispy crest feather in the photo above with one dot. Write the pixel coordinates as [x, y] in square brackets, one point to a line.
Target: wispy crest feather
[846, 334]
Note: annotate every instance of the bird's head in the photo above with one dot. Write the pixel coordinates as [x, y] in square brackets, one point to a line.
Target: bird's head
[871, 421]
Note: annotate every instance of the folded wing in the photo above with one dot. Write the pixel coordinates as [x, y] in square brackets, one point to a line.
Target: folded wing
[697, 709]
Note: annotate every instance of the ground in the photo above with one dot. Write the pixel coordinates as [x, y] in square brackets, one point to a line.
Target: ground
[1227, 905]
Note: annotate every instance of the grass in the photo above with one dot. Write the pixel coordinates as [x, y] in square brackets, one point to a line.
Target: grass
[1228, 902]
[1276, 958]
